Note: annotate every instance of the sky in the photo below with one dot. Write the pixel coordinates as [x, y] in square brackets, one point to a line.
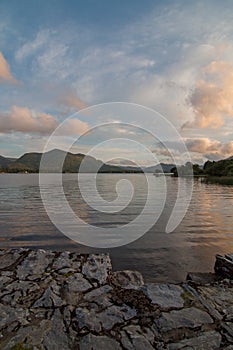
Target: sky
[58, 57]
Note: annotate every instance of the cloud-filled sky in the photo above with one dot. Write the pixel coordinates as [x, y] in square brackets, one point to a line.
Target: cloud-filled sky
[57, 57]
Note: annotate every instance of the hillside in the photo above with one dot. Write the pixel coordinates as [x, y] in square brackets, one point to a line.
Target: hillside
[30, 162]
[222, 167]
[4, 162]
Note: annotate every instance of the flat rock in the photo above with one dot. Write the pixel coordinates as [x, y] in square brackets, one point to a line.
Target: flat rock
[185, 318]
[56, 337]
[133, 338]
[49, 299]
[127, 279]
[165, 295]
[34, 265]
[220, 297]
[93, 342]
[207, 341]
[201, 277]
[10, 315]
[97, 292]
[97, 268]
[106, 320]
[8, 258]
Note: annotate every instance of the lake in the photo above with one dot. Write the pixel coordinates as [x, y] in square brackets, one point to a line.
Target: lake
[206, 229]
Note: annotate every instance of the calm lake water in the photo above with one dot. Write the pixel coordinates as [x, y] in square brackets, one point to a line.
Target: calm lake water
[207, 228]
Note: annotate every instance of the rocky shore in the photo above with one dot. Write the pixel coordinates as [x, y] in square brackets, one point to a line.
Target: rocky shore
[51, 300]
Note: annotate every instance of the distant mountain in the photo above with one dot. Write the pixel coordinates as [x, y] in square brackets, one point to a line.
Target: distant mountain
[53, 162]
[56, 159]
[4, 162]
[166, 168]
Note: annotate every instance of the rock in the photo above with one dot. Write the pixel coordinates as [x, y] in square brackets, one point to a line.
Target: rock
[8, 258]
[100, 296]
[127, 279]
[201, 278]
[165, 295]
[77, 283]
[207, 341]
[224, 266]
[106, 320]
[34, 265]
[62, 261]
[67, 260]
[220, 297]
[48, 300]
[132, 338]
[97, 268]
[185, 318]
[92, 342]
[29, 337]
[9, 315]
[56, 337]
[116, 315]
[74, 286]
[4, 281]
[95, 293]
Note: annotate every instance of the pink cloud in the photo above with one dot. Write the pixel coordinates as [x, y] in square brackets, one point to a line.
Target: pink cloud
[212, 98]
[22, 119]
[211, 149]
[5, 73]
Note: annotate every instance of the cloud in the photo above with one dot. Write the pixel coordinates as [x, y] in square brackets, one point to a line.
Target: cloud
[72, 101]
[5, 73]
[22, 119]
[212, 97]
[210, 149]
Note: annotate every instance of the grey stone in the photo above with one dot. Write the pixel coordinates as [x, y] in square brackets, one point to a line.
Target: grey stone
[88, 319]
[63, 261]
[48, 299]
[77, 283]
[127, 279]
[207, 341]
[220, 297]
[187, 318]
[31, 336]
[4, 281]
[107, 319]
[97, 268]
[165, 295]
[133, 338]
[95, 293]
[8, 258]
[34, 265]
[73, 288]
[92, 342]
[224, 266]
[56, 337]
[115, 315]
[9, 315]
[101, 296]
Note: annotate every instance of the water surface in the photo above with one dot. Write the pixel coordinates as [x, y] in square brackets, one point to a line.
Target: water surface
[207, 228]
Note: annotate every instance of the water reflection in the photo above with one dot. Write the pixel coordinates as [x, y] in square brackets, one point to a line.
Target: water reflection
[207, 228]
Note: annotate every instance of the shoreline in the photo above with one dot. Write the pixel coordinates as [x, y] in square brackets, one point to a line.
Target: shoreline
[52, 300]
